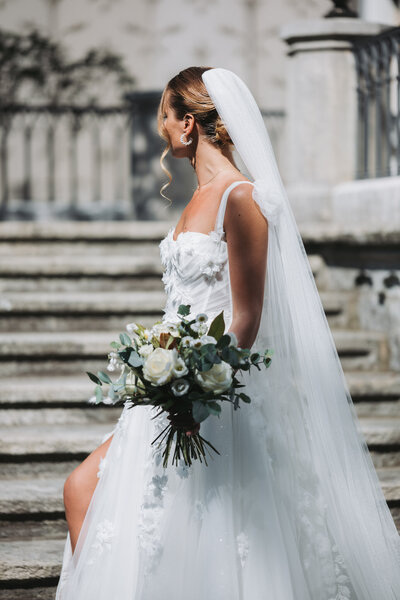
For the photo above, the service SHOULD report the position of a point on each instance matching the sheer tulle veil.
(320, 458)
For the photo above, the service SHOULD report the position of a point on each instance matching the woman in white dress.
(291, 508)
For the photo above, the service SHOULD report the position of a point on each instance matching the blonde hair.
(186, 93)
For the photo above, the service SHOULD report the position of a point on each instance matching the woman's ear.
(189, 122)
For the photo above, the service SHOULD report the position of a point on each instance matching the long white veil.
(320, 458)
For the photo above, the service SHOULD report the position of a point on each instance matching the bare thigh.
(79, 487)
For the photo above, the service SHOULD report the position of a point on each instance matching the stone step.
(42, 303)
(78, 248)
(44, 496)
(31, 560)
(35, 526)
(361, 350)
(79, 438)
(79, 311)
(35, 391)
(95, 284)
(39, 468)
(69, 352)
(84, 231)
(89, 310)
(45, 442)
(59, 416)
(30, 593)
(83, 266)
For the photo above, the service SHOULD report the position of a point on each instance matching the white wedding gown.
(237, 529)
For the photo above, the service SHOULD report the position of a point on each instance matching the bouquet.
(185, 369)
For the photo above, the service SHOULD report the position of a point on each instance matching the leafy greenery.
(35, 68)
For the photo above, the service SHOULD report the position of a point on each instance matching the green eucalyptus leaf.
(125, 339)
(104, 377)
(115, 345)
(99, 394)
(214, 408)
(217, 326)
(184, 309)
(135, 360)
(94, 378)
(200, 411)
(224, 341)
(244, 397)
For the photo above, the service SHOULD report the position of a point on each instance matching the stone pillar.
(321, 110)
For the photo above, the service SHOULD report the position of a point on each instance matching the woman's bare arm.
(247, 238)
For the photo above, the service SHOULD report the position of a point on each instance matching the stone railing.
(378, 93)
(61, 159)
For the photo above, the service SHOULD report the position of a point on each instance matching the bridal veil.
(320, 459)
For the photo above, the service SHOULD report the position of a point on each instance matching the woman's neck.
(209, 161)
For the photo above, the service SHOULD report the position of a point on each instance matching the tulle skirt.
(227, 531)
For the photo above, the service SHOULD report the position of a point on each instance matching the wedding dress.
(237, 529)
(291, 508)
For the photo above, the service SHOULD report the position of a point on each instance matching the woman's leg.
(79, 487)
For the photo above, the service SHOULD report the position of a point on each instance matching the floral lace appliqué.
(102, 466)
(105, 533)
(243, 547)
(152, 507)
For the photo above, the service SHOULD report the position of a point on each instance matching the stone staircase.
(66, 291)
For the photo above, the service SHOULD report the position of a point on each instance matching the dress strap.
(219, 223)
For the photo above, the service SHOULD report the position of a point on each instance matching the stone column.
(321, 110)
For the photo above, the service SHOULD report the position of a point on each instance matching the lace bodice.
(196, 269)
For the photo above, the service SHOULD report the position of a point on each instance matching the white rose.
(217, 379)
(158, 366)
(146, 349)
(180, 367)
(179, 387)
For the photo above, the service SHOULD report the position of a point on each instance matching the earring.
(190, 140)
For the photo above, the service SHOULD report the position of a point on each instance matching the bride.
(292, 508)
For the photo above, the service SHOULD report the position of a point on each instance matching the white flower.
(108, 400)
(217, 379)
(201, 317)
(187, 341)
(208, 339)
(203, 328)
(92, 400)
(158, 366)
(195, 326)
(180, 368)
(164, 327)
(196, 343)
(131, 327)
(115, 361)
(146, 349)
(179, 387)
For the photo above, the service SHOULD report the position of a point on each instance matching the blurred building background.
(81, 215)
